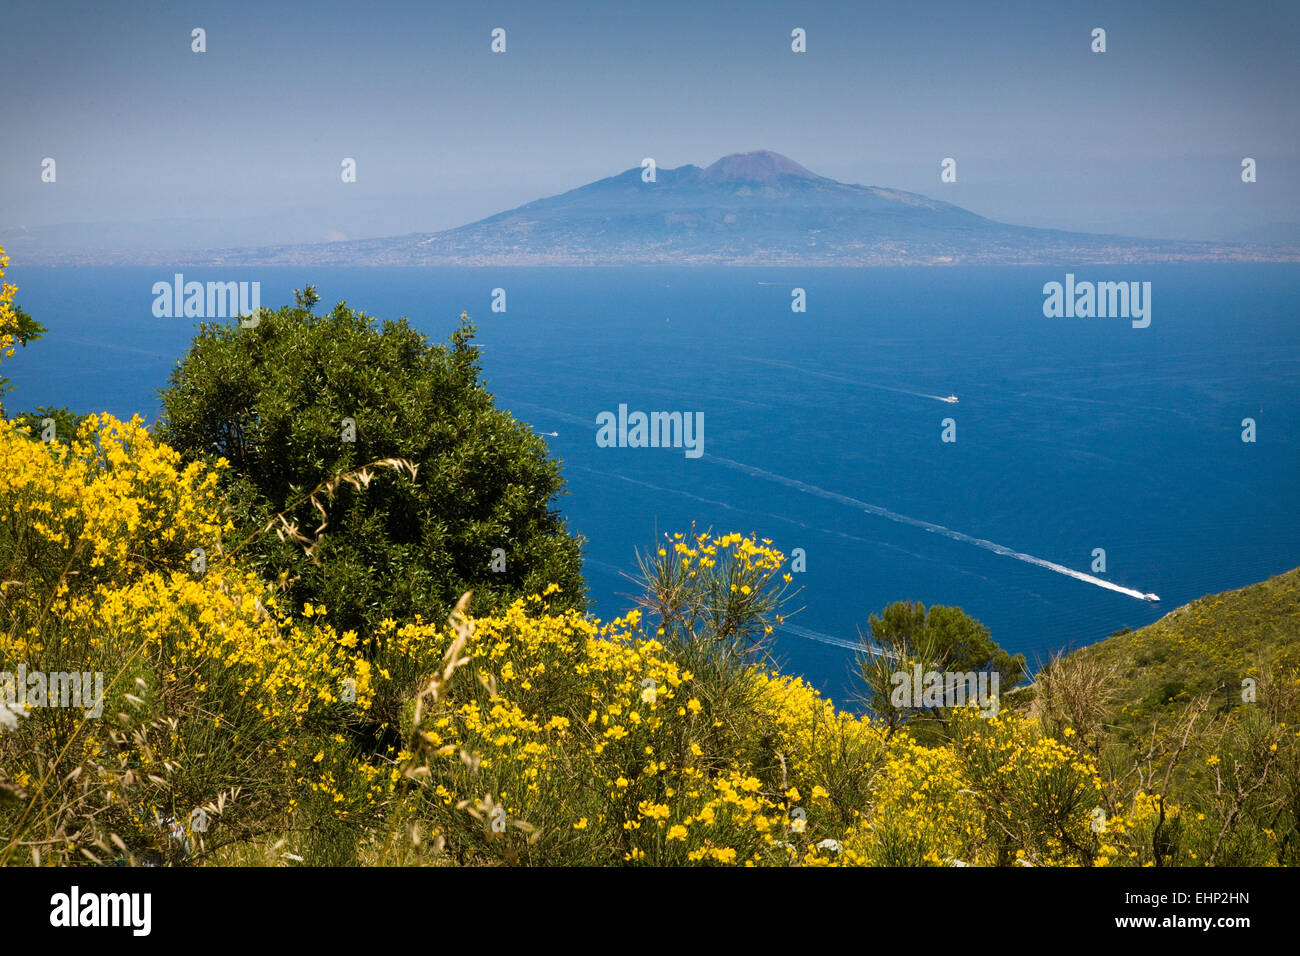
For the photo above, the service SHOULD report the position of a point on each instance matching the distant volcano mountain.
(748, 207)
(756, 208)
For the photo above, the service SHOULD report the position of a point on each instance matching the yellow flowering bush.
(563, 740)
(922, 813)
(834, 755)
(721, 591)
(588, 743)
(1139, 836)
(16, 327)
(8, 321)
(113, 565)
(1037, 795)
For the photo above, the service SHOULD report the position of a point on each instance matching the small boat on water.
(1151, 598)
(951, 399)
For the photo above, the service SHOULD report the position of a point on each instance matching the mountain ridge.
(755, 208)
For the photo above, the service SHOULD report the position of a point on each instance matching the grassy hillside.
(1207, 647)
(1192, 724)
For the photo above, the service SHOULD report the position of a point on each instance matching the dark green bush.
(273, 399)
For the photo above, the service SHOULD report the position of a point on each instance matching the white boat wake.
(930, 526)
(821, 638)
(950, 399)
(901, 519)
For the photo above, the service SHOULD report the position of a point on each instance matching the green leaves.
(24, 329)
(942, 639)
(302, 397)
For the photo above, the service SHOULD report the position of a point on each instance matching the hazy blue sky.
(1145, 139)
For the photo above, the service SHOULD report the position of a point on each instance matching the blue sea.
(1071, 434)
